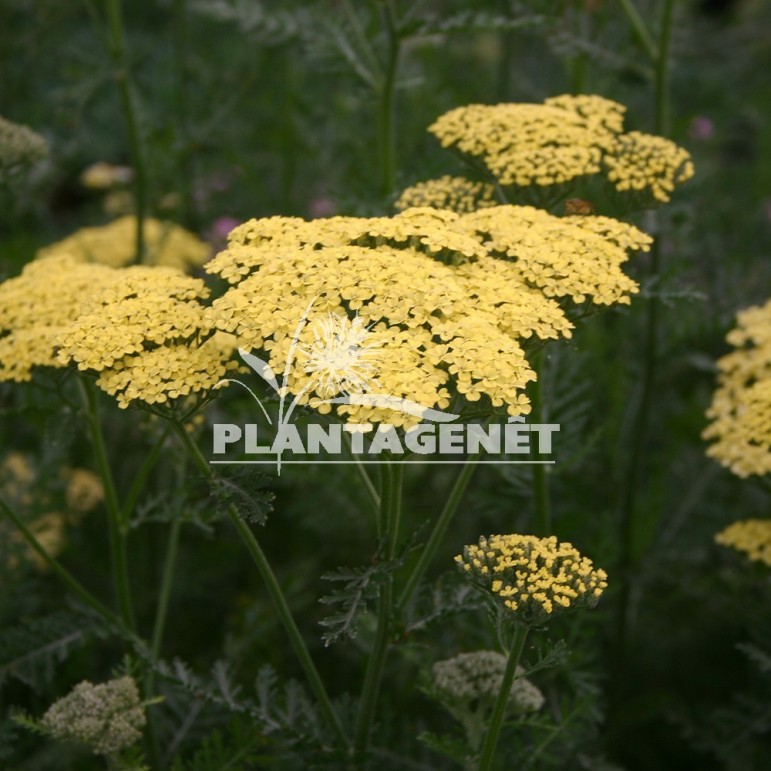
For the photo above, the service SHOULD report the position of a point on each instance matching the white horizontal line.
(405, 462)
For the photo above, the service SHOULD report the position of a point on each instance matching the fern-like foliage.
(31, 650)
(470, 21)
(237, 747)
(281, 711)
(358, 586)
(268, 27)
(439, 602)
(243, 488)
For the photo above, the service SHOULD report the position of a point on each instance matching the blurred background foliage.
(250, 109)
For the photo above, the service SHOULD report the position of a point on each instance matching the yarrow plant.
(467, 686)
(531, 579)
(166, 244)
(107, 718)
(443, 306)
(450, 300)
(740, 413)
(750, 536)
(550, 145)
(20, 148)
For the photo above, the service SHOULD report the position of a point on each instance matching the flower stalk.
(117, 519)
(628, 531)
(440, 529)
(66, 577)
(386, 112)
(123, 79)
(390, 514)
(274, 589)
(494, 729)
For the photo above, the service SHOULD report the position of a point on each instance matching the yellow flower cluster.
(447, 298)
(457, 194)
(85, 490)
(564, 138)
(114, 244)
(645, 162)
(533, 577)
(148, 337)
(37, 305)
(741, 405)
(751, 536)
(142, 329)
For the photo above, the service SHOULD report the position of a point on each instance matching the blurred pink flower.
(322, 206)
(217, 234)
(701, 129)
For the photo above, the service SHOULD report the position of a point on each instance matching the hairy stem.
(390, 514)
(494, 729)
(276, 593)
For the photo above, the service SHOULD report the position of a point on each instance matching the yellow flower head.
(148, 337)
(85, 490)
(740, 412)
(114, 244)
(37, 305)
(565, 138)
(454, 193)
(641, 162)
(103, 176)
(751, 536)
(447, 299)
(533, 577)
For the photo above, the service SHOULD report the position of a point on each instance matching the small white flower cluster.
(108, 717)
(478, 675)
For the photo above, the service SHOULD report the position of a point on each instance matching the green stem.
(386, 121)
(390, 514)
(130, 501)
(494, 729)
(275, 591)
(579, 64)
(130, 114)
(650, 357)
(365, 478)
(641, 29)
(69, 580)
(543, 523)
(185, 158)
(169, 564)
(117, 524)
(662, 69)
(159, 625)
(439, 531)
